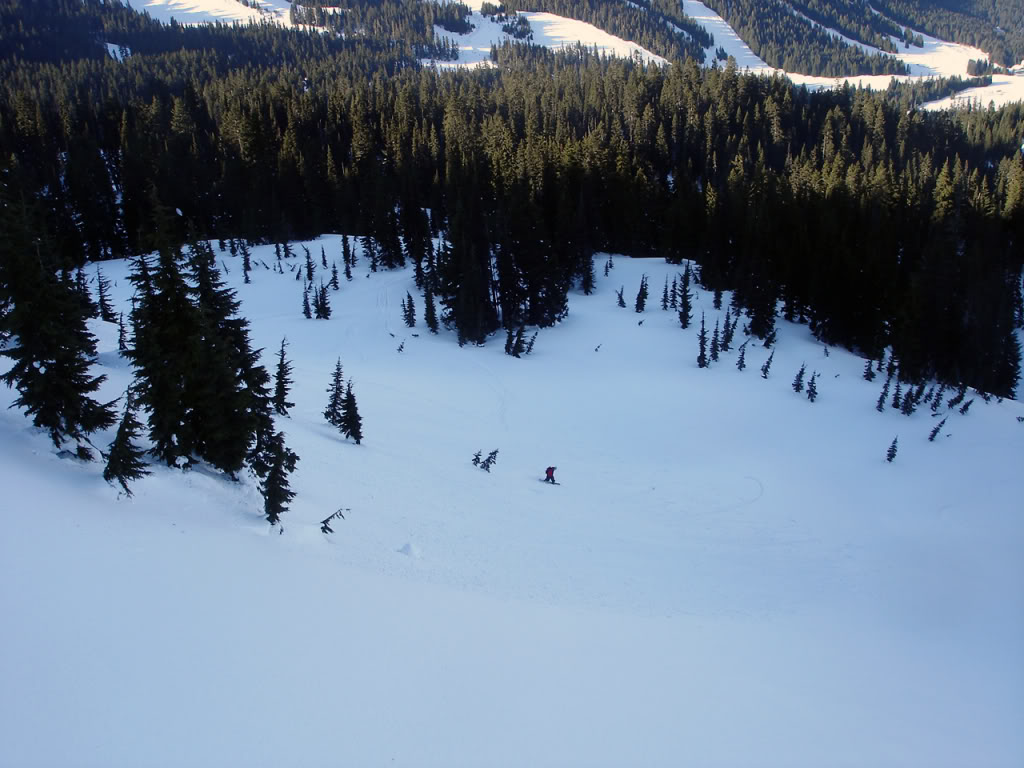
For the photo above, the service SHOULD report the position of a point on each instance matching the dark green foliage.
(310, 268)
(335, 285)
(122, 337)
(277, 493)
(335, 397)
(325, 524)
(891, 453)
(306, 311)
(880, 405)
(476, 458)
(935, 431)
(798, 382)
(246, 262)
(958, 398)
(351, 421)
(766, 368)
(685, 299)
(714, 344)
(124, 458)
(282, 382)
(430, 311)
(702, 344)
(741, 360)
(812, 387)
(409, 310)
(869, 371)
(321, 303)
(89, 308)
(619, 299)
(908, 405)
(103, 298)
(728, 329)
(641, 295)
(897, 396)
(488, 462)
(937, 398)
(664, 295)
(966, 407)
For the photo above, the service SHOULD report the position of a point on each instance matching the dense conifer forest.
(878, 225)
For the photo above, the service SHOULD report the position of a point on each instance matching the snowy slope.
(728, 575)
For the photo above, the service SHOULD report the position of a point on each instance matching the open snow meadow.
(727, 575)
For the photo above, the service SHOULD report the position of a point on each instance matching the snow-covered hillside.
(728, 574)
(936, 59)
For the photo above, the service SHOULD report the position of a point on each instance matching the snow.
(728, 575)
(936, 59)
(118, 52)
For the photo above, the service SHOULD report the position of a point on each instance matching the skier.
(549, 475)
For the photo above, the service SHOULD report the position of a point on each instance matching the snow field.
(728, 574)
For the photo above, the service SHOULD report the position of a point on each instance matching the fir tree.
(812, 387)
(664, 295)
(122, 337)
(588, 280)
(246, 262)
(84, 295)
(430, 311)
(409, 311)
(335, 285)
(124, 458)
(282, 382)
(309, 265)
(619, 298)
(717, 299)
(937, 398)
(530, 343)
(277, 250)
(685, 299)
(958, 398)
(935, 432)
(714, 344)
(476, 458)
(323, 257)
(741, 361)
(323, 303)
(767, 365)
(487, 463)
(897, 396)
(306, 311)
(727, 331)
(869, 371)
(276, 491)
(798, 382)
(351, 422)
(891, 453)
(335, 397)
(966, 407)
(103, 301)
(702, 342)
(673, 296)
(880, 405)
(908, 405)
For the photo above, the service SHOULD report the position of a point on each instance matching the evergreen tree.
(246, 262)
(741, 361)
(673, 296)
(335, 397)
(728, 328)
(52, 351)
(767, 365)
(897, 396)
(619, 298)
(880, 405)
(488, 462)
(812, 387)
(306, 311)
(335, 285)
(323, 257)
(282, 382)
(891, 453)
(588, 280)
(351, 422)
(476, 458)
(702, 341)
(122, 338)
(124, 458)
(935, 432)
(714, 344)
(322, 303)
(103, 302)
(664, 295)
(310, 268)
(869, 371)
(276, 491)
(937, 398)
(409, 311)
(908, 405)
(84, 295)
(798, 382)
(430, 311)
(966, 407)
(685, 299)
(717, 298)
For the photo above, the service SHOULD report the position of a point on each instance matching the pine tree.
(430, 311)
(588, 279)
(351, 422)
(336, 397)
(869, 371)
(727, 331)
(673, 297)
(276, 491)
(966, 407)
(714, 344)
(306, 312)
(891, 453)
(409, 310)
(717, 299)
(685, 299)
(798, 382)
(487, 463)
(767, 365)
(880, 405)
(741, 361)
(124, 458)
(937, 398)
(619, 298)
(908, 405)
(702, 341)
(664, 295)
(323, 257)
(335, 285)
(309, 265)
(323, 303)
(935, 432)
(84, 295)
(476, 458)
(812, 387)
(282, 382)
(246, 263)
(103, 301)
(122, 338)
(897, 396)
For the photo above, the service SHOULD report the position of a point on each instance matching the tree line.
(877, 224)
